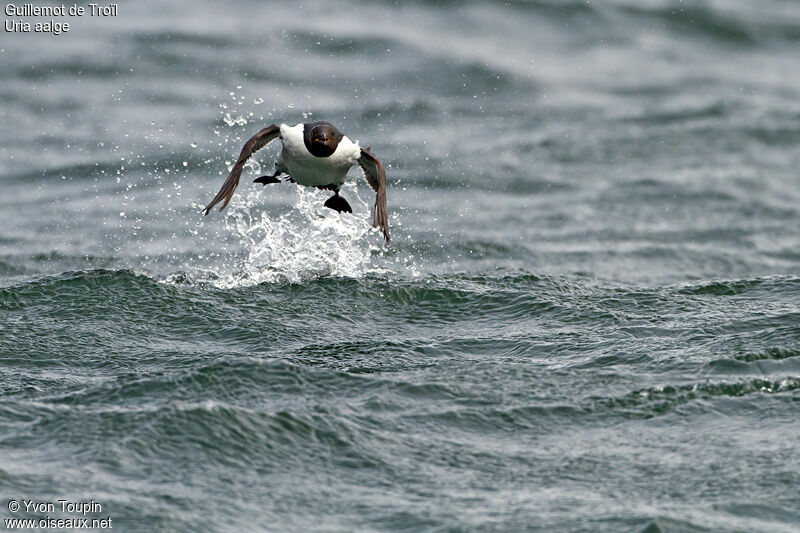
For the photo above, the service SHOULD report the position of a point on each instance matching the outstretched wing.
(376, 177)
(253, 145)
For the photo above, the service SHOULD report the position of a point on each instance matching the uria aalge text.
(51, 26)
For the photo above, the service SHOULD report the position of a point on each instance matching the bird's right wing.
(253, 145)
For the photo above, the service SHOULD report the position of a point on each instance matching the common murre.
(315, 155)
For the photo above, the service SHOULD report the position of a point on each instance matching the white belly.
(307, 169)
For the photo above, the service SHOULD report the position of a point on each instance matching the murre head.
(321, 138)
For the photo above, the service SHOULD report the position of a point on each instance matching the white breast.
(307, 169)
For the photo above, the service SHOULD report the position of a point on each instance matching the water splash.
(307, 242)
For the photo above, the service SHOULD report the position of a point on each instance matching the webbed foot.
(267, 179)
(339, 204)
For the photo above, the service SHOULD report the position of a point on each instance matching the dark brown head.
(321, 138)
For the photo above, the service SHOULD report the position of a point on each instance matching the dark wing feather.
(253, 145)
(376, 177)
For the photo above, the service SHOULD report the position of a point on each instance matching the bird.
(313, 154)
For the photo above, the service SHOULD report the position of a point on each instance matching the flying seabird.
(315, 155)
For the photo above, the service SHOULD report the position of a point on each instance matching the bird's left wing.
(376, 177)
(253, 145)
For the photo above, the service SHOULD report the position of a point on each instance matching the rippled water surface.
(588, 318)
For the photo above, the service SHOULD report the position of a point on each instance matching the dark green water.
(588, 318)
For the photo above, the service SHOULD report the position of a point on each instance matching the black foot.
(339, 204)
(267, 179)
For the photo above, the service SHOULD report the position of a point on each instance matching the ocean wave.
(657, 401)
